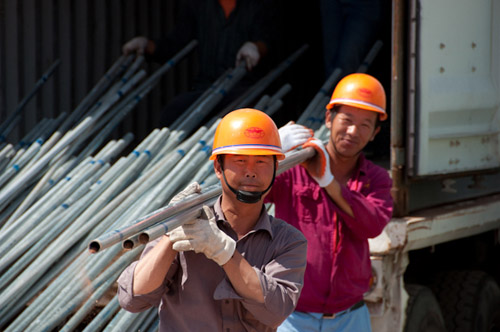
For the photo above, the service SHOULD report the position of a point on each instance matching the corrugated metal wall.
(86, 35)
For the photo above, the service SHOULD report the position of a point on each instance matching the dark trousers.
(350, 29)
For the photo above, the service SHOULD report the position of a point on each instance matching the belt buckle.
(329, 316)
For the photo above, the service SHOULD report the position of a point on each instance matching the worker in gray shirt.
(236, 268)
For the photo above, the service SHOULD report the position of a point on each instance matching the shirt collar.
(264, 222)
(362, 165)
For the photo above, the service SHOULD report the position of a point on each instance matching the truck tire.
(470, 301)
(422, 311)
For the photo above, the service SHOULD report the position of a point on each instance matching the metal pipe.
(109, 77)
(193, 118)
(280, 93)
(370, 56)
(173, 222)
(20, 107)
(56, 248)
(272, 108)
(152, 177)
(262, 103)
(71, 240)
(35, 295)
(176, 178)
(10, 191)
(103, 316)
(48, 322)
(214, 87)
(77, 176)
(37, 209)
(74, 135)
(325, 90)
(293, 158)
(253, 92)
(88, 305)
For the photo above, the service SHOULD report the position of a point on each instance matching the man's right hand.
(136, 45)
(202, 235)
(193, 188)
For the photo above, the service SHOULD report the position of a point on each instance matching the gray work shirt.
(197, 295)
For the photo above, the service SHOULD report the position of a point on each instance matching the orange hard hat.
(247, 131)
(360, 90)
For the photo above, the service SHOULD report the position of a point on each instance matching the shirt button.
(227, 301)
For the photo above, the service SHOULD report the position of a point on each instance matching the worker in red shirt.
(236, 268)
(338, 200)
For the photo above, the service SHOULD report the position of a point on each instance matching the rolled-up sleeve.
(372, 206)
(281, 283)
(138, 303)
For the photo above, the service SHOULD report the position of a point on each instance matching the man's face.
(351, 129)
(248, 173)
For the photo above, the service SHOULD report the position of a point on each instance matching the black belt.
(348, 310)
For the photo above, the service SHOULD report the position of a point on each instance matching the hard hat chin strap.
(249, 197)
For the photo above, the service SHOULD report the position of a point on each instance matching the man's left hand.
(319, 165)
(249, 52)
(203, 236)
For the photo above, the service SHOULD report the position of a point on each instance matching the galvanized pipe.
(275, 106)
(39, 300)
(280, 93)
(253, 92)
(324, 91)
(155, 174)
(62, 190)
(5, 127)
(57, 247)
(103, 316)
(167, 186)
(370, 57)
(7, 194)
(48, 322)
(103, 84)
(293, 158)
(159, 229)
(190, 120)
(214, 87)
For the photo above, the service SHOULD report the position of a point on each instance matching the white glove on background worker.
(293, 135)
(136, 45)
(250, 53)
(203, 236)
(318, 166)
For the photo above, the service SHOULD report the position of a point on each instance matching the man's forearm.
(244, 278)
(335, 192)
(153, 267)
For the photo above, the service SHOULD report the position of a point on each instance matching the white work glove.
(193, 188)
(319, 165)
(136, 45)
(293, 135)
(250, 53)
(203, 236)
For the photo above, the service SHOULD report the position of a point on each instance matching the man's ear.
(328, 119)
(218, 168)
(375, 132)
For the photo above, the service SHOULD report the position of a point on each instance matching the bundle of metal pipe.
(91, 184)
